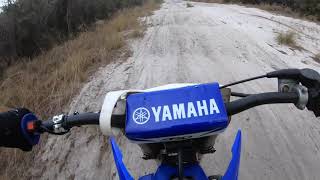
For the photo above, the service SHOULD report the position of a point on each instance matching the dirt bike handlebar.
(290, 91)
(77, 120)
(254, 100)
(61, 124)
(118, 121)
(237, 106)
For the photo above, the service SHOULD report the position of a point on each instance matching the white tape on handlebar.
(109, 103)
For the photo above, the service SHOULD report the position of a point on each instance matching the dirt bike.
(178, 123)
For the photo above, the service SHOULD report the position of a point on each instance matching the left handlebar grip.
(13, 129)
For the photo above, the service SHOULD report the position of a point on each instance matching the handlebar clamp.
(291, 85)
(303, 97)
(58, 122)
(308, 78)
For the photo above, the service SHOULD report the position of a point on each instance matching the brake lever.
(307, 77)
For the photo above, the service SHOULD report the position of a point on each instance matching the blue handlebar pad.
(174, 114)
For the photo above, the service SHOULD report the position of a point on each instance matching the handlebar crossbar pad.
(175, 114)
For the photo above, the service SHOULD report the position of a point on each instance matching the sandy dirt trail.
(205, 43)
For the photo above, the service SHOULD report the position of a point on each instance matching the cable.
(44, 129)
(242, 81)
(236, 94)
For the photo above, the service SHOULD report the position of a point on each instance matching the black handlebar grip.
(13, 131)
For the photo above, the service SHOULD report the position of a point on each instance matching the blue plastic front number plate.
(175, 112)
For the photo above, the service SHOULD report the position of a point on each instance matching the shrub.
(317, 57)
(136, 33)
(287, 38)
(309, 9)
(40, 24)
(46, 83)
(189, 5)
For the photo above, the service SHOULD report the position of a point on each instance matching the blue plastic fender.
(165, 171)
(117, 155)
(233, 168)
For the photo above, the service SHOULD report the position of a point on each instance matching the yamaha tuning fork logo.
(141, 115)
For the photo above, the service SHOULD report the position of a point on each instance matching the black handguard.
(12, 133)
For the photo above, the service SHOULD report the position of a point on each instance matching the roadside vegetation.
(35, 26)
(304, 9)
(189, 5)
(209, 1)
(46, 83)
(317, 57)
(287, 38)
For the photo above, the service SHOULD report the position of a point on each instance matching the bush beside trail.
(309, 9)
(47, 83)
(37, 25)
(303, 7)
